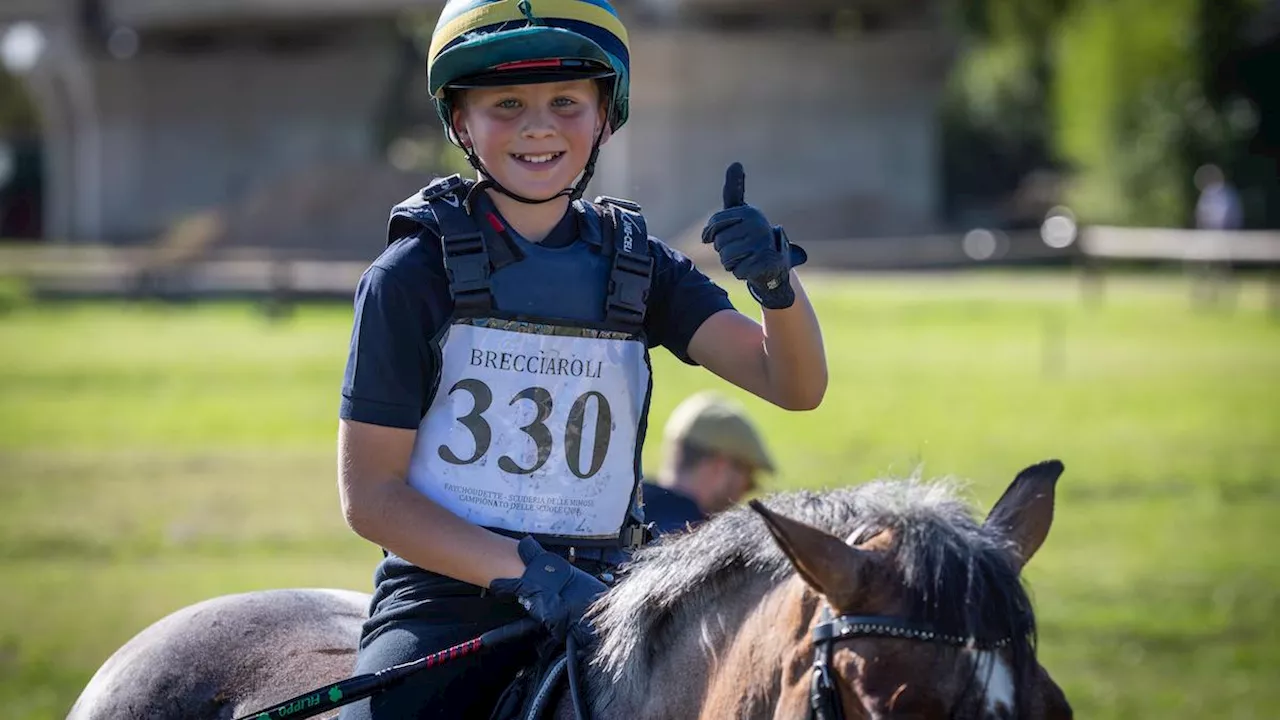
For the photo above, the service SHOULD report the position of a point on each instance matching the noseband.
(824, 694)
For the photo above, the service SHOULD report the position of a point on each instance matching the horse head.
(920, 612)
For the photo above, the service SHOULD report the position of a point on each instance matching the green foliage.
(17, 113)
(996, 123)
(993, 125)
(1005, 19)
(1130, 106)
(992, 88)
(154, 456)
(1120, 92)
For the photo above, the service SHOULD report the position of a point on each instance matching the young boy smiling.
(534, 140)
(497, 386)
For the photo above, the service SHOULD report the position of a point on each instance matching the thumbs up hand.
(750, 248)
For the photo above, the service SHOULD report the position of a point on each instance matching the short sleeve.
(681, 298)
(390, 362)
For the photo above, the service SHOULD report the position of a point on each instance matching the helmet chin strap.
(574, 192)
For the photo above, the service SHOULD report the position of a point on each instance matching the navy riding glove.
(752, 249)
(553, 592)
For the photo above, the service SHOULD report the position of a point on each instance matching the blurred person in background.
(499, 354)
(1219, 205)
(712, 454)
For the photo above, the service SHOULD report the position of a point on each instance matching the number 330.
(537, 429)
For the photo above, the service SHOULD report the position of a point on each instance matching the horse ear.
(1025, 512)
(825, 562)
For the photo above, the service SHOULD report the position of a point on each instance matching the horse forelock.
(957, 575)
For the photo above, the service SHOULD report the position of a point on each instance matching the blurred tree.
(997, 124)
(1136, 106)
(17, 113)
(1127, 94)
(411, 132)
(21, 163)
(1240, 81)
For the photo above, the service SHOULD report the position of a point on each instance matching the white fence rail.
(1210, 259)
(1197, 246)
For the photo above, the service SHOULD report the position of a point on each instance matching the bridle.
(824, 693)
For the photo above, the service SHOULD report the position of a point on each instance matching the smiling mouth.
(540, 159)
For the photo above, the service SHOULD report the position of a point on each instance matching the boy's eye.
(509, 104)
(563, 101)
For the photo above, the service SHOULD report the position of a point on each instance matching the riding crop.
(328, 697)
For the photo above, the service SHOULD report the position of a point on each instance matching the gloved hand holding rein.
(552, 591)
(752, 249)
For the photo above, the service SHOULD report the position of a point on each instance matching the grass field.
(154, 456)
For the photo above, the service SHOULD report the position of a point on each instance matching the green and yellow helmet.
(516, 42)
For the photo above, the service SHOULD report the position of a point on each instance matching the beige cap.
(715, 423)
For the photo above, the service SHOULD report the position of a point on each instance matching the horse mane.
(958, 576)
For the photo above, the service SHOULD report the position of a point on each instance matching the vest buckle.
(618, 202)
(636, 536)
(467, 263)
(628, 289)
(443, 187)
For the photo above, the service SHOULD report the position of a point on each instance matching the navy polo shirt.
(668, 510)
(402, 307)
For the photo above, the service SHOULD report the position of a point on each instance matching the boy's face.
(533, 139)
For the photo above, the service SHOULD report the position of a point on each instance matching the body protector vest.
(537, 422)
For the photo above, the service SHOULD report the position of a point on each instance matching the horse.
(888, 599)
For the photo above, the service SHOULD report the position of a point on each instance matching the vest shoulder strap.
(625, 238)
(466, 254)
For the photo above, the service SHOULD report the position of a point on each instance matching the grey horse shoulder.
(231, 650)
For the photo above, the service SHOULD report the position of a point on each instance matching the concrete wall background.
(183, 133)
(821, 123)
(837, 131)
